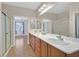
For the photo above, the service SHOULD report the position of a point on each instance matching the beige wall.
(61, 25)
(50, 16)
(63, 15)
(17, 11)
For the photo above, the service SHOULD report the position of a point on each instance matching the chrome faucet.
(59, 37)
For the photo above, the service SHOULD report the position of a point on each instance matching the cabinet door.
(43, 49)
(31, 40)
(37, 46)
(49, 51)
(58, 53)
(54, 52)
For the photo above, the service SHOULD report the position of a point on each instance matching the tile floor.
(21, 49)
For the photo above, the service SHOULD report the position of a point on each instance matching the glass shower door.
(8, 39)
(3, 34)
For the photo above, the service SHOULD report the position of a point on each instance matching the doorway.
(19, 28)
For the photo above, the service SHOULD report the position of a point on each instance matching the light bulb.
(44, 5)
(39, 10)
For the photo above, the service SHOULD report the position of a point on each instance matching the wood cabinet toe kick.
(43, 49)
(75, 54)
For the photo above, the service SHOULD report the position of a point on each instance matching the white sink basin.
(50, 37)
(58, 42)
(55, 40)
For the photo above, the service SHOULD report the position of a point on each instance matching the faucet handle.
(59, 37)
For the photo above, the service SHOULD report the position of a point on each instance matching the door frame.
(23, 19)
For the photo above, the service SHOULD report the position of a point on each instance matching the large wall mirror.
(77, 25)
(35, 24)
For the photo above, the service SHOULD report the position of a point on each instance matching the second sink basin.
(58, 42)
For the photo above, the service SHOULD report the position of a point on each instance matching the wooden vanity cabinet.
(43, 49)
(54, 52)
(75, 54)
(37, 46)
(49, 51)
(31, 41)
(30, 38)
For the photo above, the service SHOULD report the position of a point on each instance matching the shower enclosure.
(6, 33)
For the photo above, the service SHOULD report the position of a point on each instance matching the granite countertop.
(69, 48)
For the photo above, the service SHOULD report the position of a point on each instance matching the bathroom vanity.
(48, 45)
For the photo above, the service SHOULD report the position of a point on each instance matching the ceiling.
(29, 5)
(58, 8)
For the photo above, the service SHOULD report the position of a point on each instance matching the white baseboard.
(8, 51)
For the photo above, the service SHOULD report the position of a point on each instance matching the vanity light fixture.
(44, 8)
(44, 5)
(41, 9)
